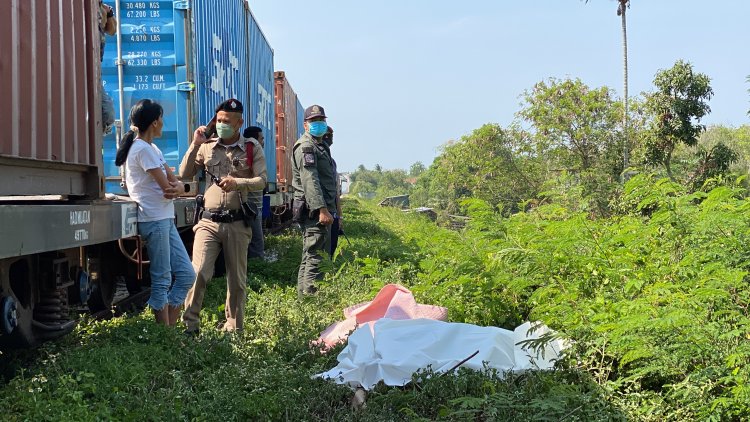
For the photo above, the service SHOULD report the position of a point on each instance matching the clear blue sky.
(400, 78)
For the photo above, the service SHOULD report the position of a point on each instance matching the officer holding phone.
(236, 167)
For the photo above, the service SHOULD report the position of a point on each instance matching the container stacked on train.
(60, 239)
(288, 129)
(190, 56)
(49, 83)
(53, 222)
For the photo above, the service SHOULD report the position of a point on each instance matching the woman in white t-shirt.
(153, 186)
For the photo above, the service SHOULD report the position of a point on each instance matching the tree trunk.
(626, 143)
(668, 166)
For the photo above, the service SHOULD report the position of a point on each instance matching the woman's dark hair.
(143, 113)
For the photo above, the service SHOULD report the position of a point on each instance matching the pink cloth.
(392, 301)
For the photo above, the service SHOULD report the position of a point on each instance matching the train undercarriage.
(60, 260)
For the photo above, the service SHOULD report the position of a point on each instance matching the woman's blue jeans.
(168, 256)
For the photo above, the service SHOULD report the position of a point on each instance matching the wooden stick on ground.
(460, 363)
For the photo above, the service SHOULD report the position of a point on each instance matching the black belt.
(225, 216)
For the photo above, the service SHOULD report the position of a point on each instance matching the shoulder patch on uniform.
(307, 149)
(308, 157)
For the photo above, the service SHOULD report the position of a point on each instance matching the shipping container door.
(286, 129)
(300, 122)
(290, 129)
(155, 45)
(262, 94)
(49, 83)
(300, 119)
(222, 55)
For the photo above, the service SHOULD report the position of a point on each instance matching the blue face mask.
(318, 129)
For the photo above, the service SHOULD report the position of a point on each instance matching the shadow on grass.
(364, 238)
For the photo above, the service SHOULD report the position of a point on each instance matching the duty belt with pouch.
(223, 216)
(248, 213)
(299, 211)
(198, 209)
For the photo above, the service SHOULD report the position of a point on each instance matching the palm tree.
(623, 5)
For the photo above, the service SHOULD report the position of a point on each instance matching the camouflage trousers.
(315, 240)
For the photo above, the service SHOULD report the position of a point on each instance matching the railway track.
(132, 302)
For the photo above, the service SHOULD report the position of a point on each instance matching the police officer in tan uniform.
(315, 193)
(223, 224)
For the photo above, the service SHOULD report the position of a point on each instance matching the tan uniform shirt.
(223, 161)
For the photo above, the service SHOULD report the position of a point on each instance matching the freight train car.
(59, 231)
(68, 228)
(289, 128)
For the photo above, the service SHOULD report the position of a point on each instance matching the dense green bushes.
(131, 369)
(656, 299)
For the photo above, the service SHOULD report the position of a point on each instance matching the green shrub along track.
(654, 299)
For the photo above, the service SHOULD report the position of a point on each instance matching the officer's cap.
(231, 106)
(314, 111)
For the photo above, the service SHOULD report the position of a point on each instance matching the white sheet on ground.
(395, 349)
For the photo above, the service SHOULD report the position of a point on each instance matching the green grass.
(129, 368)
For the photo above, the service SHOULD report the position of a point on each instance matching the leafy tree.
(577, 132)
(416, 169)
(738, 139)
(677, 107)
(712, 163)
(363, 188)
(576, 121)
(393, 182)
(694, 165)
(380, 182)
(421, 194)
(493, 164)
(363, 181)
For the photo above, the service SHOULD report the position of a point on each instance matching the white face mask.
(224, 130)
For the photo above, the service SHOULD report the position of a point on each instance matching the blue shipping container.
(222, 56)
(189, 61)
(154, 66)
(261, 94)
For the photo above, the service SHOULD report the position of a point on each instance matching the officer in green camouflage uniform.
(314, 183)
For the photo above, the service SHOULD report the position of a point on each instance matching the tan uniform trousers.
(210, 238)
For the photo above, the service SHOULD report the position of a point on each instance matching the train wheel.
(8, 315)
(133, 285)
(18, 305)
(103, 291)
(23, 335)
